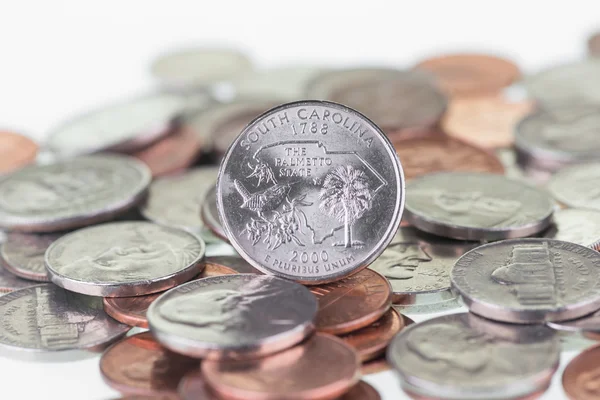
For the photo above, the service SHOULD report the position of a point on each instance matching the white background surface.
(58, 58)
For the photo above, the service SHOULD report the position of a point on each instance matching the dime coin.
(193, 68)
(577, 186)
(124, 259)
(233, 316)
(140, 365)
(486, 121)
(352, 303)
(580, 378)
(589, 323)
(370, 342)
(477, 206)
(417, 264)
(176, 200)
(436, 152)
(10, 282)
(361, 391)
(72, 193)
(193, 387)
(594, 45)
(284, 82)
(529, 280)
(471, 74)
(23, 254)
(47, 318)
(291, 373)
(578, 226)
(551, 139)
(16, 151)
(311, 191)
(210, 214)
(123, 127)
(462, 356)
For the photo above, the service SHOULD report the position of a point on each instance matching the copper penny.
(370, 342)
(139, 365)
(486, 121)
(581, 377)
(471, 74)
(594, 45)
(16, 151)
(361, 391)
(320, 368)
(352, 303)
(193, 387)
(375, 366)
(224, 265)
(441, 153)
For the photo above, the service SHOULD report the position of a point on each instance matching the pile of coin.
(294, 266)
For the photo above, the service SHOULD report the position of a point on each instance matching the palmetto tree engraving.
(346, 196)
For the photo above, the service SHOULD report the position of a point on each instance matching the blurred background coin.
(287, 82)
(580, 377)
(577, 186)
(576, 225)
(23, 254)
(594, 45)
(10, 282)
(210, 214)
(16, 151)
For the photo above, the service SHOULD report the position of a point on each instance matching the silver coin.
(210, 214)
(176, 200)
(560, 136)
(576, 226)
(589, 323)
(284, 82)
(577, 186)
(71, 193)
(23, 254)
(434, 303)
(46, 318)
(123, 127)
(124, 259)
(418, 266)
(233, 316)
(529, 280)
(193, 68)
(512, 169)
(476, 206)
(10, 282)
(462, 356)
(329, 82)
(311, 191)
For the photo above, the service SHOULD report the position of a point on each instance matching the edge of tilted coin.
(377, 249)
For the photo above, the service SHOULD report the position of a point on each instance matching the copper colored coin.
(361, 391)
(352, 303)
(370, 342)
(16, 151)
(375, 366)
(193, 387)
(471, 74)
(486, 121)
(594, 45)
(441, 153)
(139, 365)
(322, 367)
(224, 265)
(581, 378)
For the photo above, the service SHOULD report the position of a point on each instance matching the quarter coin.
(477, 206)
(124, 259)
(580, 378)
(70, 194)
(23, 254)
(210, 214)
(16, 151)
(529, 280)
(577, 186)
(578, 226)
(233, 316)
(310, 191)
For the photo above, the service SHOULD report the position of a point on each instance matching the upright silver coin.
(284, 82)
(529, 280)
(124, 259)
(123, 127)
(477, 206)
(23, 254)
(462, 356)
(577, 186)
(210, 214)
(177, 200)
(71, 193)
(311, 191)
(10, 282)
(418, 266)
(233, 316)
(556, 137)
(578, 226)
(46, 318)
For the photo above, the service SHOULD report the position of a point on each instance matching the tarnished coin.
(477, 206)
(123, 127)
(16, 151)
(47, 318)
(417, 264)
(193, 68)
(292, 373)
(436, 152)
(471, 74)
(124, 259)
(578, 226)
(352, 303)
(72, 193)
(176, 200)
(462, 356)
(594, 45)
(140, 365)
(581, 377)
(233, 316)
(210, 214)
(10, 282)
(553, 138)
(311, 191)
(577, 186)
(23, 254)
(287, 82)
(529, 280)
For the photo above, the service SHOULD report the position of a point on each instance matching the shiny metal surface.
(577, 186)
(576, 225)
